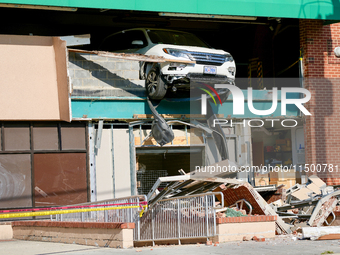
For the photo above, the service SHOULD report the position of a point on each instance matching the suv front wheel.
(154, 84)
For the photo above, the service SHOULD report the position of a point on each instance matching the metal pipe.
(153, 227)
(178, 219)
(132, 161)
(195, 195)
(140, 135)
(113, 164)
(206, 215)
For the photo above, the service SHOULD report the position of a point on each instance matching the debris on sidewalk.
(303, 206)
(234, 212)
(246, 238)
(321, 233)
(253, 203)
(258, 239)
(311, 204)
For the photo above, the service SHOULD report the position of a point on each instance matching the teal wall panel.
(304, 9)
(122, 109)
(96, 108)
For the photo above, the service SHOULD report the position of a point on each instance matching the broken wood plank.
(133, 56)
(321, 233)
(330, 237)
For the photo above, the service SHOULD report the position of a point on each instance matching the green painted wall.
(304, 9)
(112, 108)
(124, 109)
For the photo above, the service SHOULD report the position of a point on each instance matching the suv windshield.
(175, 38)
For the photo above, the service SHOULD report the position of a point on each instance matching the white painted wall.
(122, 162)
(113, 173)
(104, 170)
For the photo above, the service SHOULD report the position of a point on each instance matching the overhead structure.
(308, 9)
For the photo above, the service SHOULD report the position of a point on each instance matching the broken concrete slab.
(322, 233)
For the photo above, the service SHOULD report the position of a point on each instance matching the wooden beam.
(131, 56)
(330, 237)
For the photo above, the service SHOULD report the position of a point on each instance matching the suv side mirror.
(137, 43)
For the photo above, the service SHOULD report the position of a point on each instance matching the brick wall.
(259, 218)
(231, 196)
(322, 73)
(102, 234)
(93, 75)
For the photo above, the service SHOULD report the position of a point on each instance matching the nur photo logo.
(239, 100)
(204, 98)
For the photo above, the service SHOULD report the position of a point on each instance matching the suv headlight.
(178, 53)
(228, 58)
(232, 70)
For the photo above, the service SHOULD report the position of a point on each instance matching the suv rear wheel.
(154, 84)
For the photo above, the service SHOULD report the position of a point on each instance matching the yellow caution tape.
(142, 211)
(44, 213)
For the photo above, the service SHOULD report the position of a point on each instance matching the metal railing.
(179, 218)
(175, 218)
(127, 210)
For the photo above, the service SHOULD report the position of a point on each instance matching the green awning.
(302, 9)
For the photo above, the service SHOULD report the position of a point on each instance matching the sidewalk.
(277, 246)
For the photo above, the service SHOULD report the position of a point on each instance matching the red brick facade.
(322, 73)
(259, 218)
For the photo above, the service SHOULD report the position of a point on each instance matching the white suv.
(207, 63)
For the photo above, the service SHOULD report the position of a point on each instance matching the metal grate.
(147, 178)
(118, 215)
(208, 58)
(179, 218)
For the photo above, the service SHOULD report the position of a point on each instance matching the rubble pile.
(302, 206)
(232, 212)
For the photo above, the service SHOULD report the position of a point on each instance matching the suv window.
(175, 38)
(123, 41)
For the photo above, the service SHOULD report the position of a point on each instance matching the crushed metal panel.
(323, 208)
(322, 215)
(312, 188)
(184, 185)
(34, 82)
(312, 203)
(166, 179)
